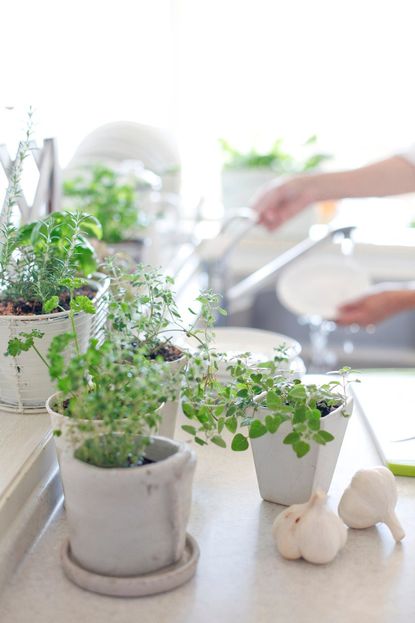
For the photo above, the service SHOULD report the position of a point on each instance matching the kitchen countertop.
(240, 576)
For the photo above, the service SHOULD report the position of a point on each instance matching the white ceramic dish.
(261, 344)
(317, 286)
(159, 581)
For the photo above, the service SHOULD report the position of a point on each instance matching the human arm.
(383, 301)
(278, 202)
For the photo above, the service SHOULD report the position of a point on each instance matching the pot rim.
(51, 410)
(346, 403)
(101, 288)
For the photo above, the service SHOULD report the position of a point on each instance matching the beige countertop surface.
(240, 576)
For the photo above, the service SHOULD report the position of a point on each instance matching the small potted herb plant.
(144, 313)
(244, 172)
(43, 266)
(110, 197)
(127, 493)
(295, 429)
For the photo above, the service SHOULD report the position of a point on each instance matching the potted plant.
(144, 313)
(127, 493)
(244, 172)
(113, 199)
(296, 429)
(42, 289)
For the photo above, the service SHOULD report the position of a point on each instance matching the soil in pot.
(326, 409)
(30, 308)
(167, 351)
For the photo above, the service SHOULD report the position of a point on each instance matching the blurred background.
(201, 102)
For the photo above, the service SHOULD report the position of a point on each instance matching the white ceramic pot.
(239, 185)
(24, 380)
(131, 248)
(285, 479)
(127, 522)
(69, 434)
(169, 410)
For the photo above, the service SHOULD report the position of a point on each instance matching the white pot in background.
(239, 185)
(170, 409)
(127, 522)
(24, 380)
(285, 479)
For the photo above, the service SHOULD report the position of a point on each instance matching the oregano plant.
(256, 401)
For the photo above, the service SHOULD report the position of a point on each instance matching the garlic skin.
(371, 498)
(310, 531)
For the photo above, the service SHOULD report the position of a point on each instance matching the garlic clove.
(394, 526)
(371, 498)
(310, 531)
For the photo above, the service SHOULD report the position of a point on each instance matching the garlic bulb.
(310, 531)
(371, 498)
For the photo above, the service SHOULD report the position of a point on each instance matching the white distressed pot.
(128, 522)
(285, 479)
(24, 380)
(69, 435)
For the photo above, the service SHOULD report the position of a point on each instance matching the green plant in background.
(39, 261)
(277, 158)
(104, 193)
(214, 406)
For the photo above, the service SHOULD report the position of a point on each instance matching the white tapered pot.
(285, 479)
(131, 521)
(24, 380)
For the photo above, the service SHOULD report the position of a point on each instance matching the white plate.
(317, 286)
(261, 344)
(237, 340)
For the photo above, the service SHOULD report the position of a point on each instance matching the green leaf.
(299, 414)
(72, 283)
(313, 419)
(257, 429)
(189, 429)
(272, 423)
(231, 424)
(219, 441)
(91, 226)
(200, 441)
(322, 437)
(273, 400)
(301, 448)
(187, 409)
(51, 304)
(239, 443)
(291, 438)
(82, 304)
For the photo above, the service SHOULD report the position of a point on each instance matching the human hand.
(278, 202)
(375, 307)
